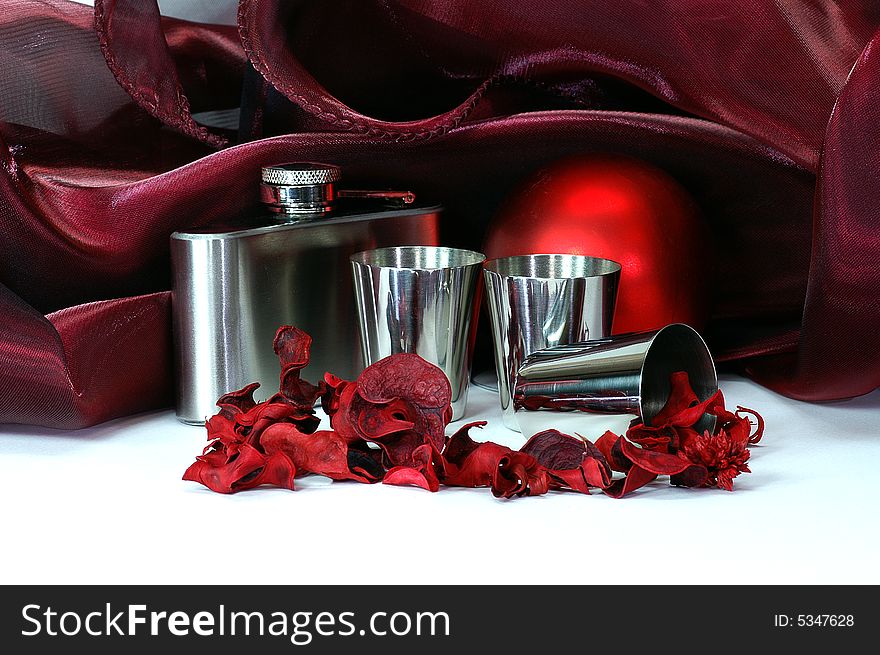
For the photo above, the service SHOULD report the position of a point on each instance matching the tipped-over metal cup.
(420, 299)
(606, 384)
(538, 301)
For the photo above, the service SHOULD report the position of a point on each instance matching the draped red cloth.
(768, 113)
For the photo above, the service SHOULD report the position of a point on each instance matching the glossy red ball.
(621, 209)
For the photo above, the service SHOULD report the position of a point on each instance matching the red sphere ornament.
(622, 209)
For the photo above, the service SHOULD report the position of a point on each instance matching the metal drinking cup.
(539, 301)
(606, 384)
(420, 299)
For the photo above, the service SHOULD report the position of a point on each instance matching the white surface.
(106, 505)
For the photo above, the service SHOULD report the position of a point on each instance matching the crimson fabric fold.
(766, 114)
(147, 72)
(54, 376)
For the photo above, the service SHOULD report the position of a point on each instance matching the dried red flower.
(724, 455)
(399, 403)
(421, 390)
(401, 406)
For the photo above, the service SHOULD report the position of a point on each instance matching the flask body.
(234, 285)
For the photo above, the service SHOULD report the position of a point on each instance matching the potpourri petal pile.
(389, 426)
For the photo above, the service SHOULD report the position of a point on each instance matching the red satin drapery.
(766, 112)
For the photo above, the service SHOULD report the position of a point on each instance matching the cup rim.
(610, 266)
(368, 257)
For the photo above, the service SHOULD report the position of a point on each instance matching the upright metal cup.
(420, 299)
(605, 384)
(538, 301)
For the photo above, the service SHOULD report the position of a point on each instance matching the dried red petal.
(555, 450)
(279, 471)
(518, 474)
(508, 473)
(657, 463)
(460, 444)
(609, 445)
(365, 461)
(344, 419)
(662, 439)
(278, 409)
(595, 468)
(572, 479)
(683, 408)
(477, 466)
(635, 479)
(421, 474)
(570, 462)
(693, 476)
(376, 421)
(681, 397)
(293, 347)
(404, 476)
(216, 455)
(691, 415)
(334, 387)
(604, 444)
(399, 448)
(322, 452)
(738, 427)
(246, 469)
(754, 437)
(407, 376)
(238, 402)
(223, 428)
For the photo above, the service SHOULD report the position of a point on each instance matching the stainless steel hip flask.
(235, 283)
